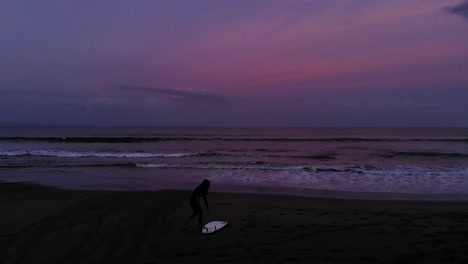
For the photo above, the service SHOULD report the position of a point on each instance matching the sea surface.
(375, 163)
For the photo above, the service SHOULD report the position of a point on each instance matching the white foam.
(397, 179)
(220, 166)
(151, 165)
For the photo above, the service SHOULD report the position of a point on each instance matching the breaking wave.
(356, 170)
(210, 154)
(72, 154)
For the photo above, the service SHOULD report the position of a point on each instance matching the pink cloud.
(284, 45)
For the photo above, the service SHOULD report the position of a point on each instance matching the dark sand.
(47, 225)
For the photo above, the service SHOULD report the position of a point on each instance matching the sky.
(234, 63)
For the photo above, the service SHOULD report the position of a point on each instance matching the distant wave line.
(271, 139)
(74, 154)
(323, 157)
(211, 165)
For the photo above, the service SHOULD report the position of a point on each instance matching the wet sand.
(48, 225)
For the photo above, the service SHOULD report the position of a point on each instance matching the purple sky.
(234, 63)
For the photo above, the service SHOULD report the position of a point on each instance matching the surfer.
(199, 192)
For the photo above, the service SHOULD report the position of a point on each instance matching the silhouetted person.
(199, 192)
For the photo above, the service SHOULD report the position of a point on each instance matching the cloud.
(185, 95)
(460, 9)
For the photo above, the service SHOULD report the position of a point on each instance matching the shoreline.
(53, 224)
(280, 191)
(345, 195)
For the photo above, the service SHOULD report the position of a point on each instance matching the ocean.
(375, 163)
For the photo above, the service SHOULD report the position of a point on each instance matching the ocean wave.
(73, 154)
(424, 154)
(319, 170)
(219, 166)
(156, 139)
(253, 166)
(204, 165)
(19, 166)
(209, 154)
(317, 157)
(326, 171)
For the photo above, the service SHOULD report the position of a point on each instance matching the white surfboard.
(213, 226)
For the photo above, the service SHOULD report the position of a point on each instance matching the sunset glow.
(64, 63)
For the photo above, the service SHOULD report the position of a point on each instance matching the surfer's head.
(205, 185)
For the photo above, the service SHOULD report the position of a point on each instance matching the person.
(199, 192)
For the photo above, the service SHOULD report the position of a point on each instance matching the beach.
(320, 131)
(50, 225)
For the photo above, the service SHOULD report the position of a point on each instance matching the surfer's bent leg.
(200, 218)
(196, 211)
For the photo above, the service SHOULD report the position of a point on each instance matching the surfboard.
(213, 226)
